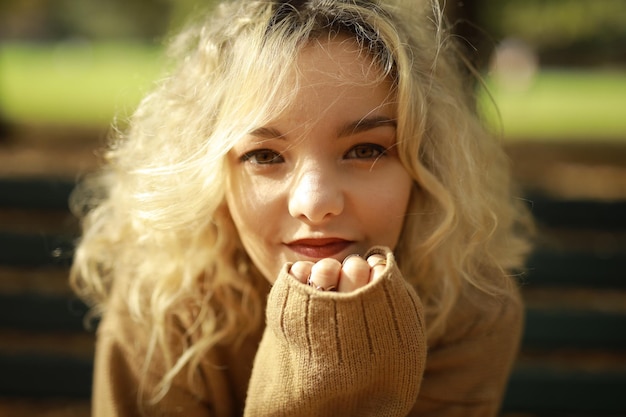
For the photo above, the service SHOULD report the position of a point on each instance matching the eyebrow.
(365, 124)
(351, 128)
(267, 133)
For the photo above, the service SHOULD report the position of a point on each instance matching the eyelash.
(275, 157)
(252, 157)
(379, 150)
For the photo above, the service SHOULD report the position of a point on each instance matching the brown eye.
(262, 157)
(366, 151)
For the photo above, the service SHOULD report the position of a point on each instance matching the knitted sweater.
(363, 353)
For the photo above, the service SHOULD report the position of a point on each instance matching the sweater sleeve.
(326, 353)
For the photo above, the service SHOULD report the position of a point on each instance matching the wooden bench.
(572, 362)
(573, 358)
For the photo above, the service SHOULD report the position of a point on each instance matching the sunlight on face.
(323, 178)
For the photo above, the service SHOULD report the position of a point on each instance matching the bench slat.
(594, 270)
(530, 388)
(578, 214)
(18, 249)
(35, 375)
(569, 328)
(53, 193)
(39, 312)
(545, 267)
(565, 392)
(35, 193)
(544, 328)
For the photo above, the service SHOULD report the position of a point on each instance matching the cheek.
(240, 204)
(387, 210)
(255, 212)
(246, 208)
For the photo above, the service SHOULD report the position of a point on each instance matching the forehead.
(337, 60)
(333, 72)
(332, 80)
(314, 80)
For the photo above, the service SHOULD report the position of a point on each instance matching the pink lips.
(319, 248)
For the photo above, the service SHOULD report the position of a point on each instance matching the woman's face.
(321, 180)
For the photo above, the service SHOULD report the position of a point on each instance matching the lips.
(319, 248)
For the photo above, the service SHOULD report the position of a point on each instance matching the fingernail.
(350, 256)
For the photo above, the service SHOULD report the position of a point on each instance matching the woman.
(292, 136)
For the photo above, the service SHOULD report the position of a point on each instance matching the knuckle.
(355, 267)
(301, 270)
(326, 268)
(355, 273)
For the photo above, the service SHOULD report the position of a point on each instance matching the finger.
(301, 270)
(325, 274)
(377, 263)
(355, 273)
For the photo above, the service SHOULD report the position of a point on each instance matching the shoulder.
(470, 359)
(479, 314)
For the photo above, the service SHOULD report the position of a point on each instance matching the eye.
(366, 151)
(262, 157)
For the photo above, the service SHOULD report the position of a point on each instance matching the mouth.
(319, 248)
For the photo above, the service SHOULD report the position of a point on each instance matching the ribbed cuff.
(381, 316)
(328, 353)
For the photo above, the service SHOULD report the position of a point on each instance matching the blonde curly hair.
(155, 223)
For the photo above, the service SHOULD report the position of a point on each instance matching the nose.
(316, 195)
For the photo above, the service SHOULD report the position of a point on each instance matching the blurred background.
(555, 69)
(81, 63)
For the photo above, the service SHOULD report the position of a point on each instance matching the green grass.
(562, 105)
(84, 84)
(79, 84)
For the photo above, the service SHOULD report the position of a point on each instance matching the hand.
(329, 274)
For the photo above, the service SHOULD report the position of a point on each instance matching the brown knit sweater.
(363, 353)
